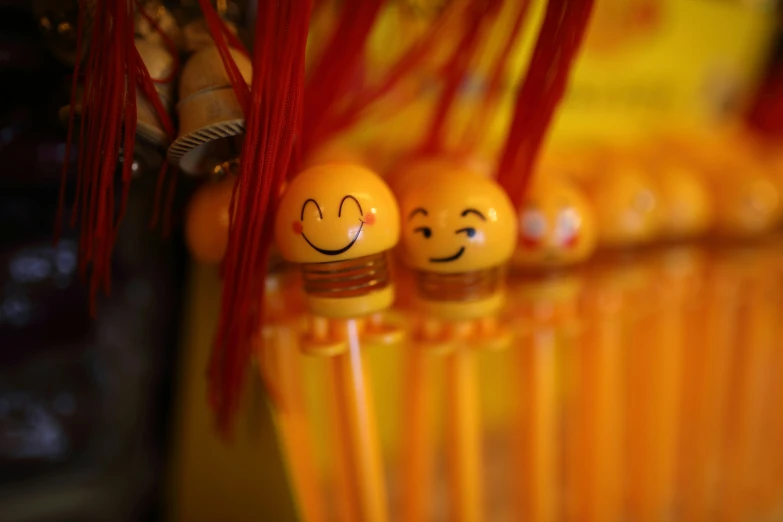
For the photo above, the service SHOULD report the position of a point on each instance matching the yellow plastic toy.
(686, 205)
(338, 221)
(208, 218)
(556, 226)
(458, 230)
(625, 202)
(746, 201)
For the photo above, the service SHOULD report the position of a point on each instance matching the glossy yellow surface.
(456, 221)
(556, 225)
(335, 212)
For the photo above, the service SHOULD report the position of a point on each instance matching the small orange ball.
(207, 221)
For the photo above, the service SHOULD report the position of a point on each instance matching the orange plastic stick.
(597, 472)
(463, 429)
(417, 436)
(653, 378)
(705, 373)
(358, 426)
(747, 422)
(295, 431)
(343, 487)
(537, 427)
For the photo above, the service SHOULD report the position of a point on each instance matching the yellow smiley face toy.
(338, 221)
(458, 231)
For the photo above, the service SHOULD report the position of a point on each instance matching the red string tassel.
(545, 82)
(112, 72)
(272, 118)
(332, 76)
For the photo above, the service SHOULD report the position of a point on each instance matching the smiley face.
(335, 212)
(556, 225)
(456, 221)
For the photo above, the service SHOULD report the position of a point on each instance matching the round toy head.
(686, 206)
(336, 212)
(456, 221)
(626, 205)
(747, 202)
(556, 226)
(208, 219)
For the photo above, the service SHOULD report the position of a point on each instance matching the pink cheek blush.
(369, 219)
(297, 227)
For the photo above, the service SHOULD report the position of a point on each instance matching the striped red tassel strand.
(271, 120)
(545, 82)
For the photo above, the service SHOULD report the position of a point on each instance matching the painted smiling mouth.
(450, 258)
(338, 251)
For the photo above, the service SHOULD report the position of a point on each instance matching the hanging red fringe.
(480, 13)
(340, 120)
(272, 118)
(545, 82)
(111, 74)
(497, 75)
(338, 65)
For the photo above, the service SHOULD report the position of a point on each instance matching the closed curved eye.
(468, 231)
(304, 206)
(340, 211)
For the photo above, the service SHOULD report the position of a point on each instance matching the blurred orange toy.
(746, 200)
(557, 232)
(625, 202)
(208, 218)
(338, 222)
(556, 226)
(458, 230)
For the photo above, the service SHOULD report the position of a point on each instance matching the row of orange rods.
(641, 387)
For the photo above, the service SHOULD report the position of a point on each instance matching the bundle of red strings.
(544, 86)
(271, 118)
(112, 73)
